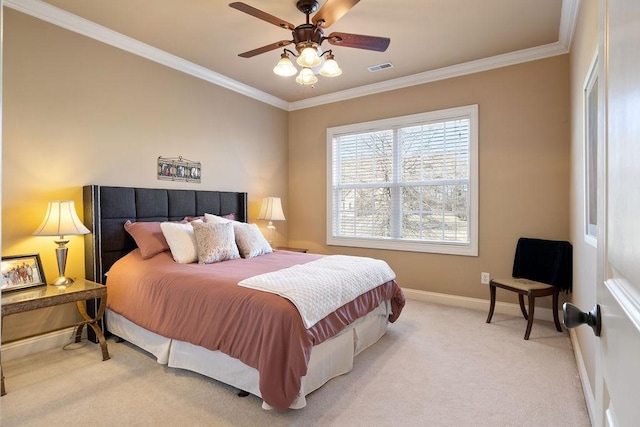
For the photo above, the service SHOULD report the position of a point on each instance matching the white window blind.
(407, 183)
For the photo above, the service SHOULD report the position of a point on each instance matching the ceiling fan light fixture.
(285, 67)
(330, 67)
(308, 38)
(306, 77)
(309, 56)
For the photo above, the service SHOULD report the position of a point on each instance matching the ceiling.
(430, 39)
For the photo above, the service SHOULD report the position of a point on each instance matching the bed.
(220, 319)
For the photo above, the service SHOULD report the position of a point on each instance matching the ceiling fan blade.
(333, 10)
(262, 15)
(264, 49)
(359, 41)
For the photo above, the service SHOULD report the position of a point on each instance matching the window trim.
(451, 248)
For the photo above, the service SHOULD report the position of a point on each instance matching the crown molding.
(71, 22)
(444, 73)
(53, 15)
(568, 18)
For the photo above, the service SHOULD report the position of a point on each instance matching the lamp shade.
(271, 209)
(309, 57)
(285, 67)
(306, 77)
(330, 67)
(61, 220)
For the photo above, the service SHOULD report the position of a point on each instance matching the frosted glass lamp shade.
(330, 67)
(306, 77)
(309, 57)
(285, 67)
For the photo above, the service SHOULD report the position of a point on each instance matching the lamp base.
(62, 281)
(61, 257)
(272, 233)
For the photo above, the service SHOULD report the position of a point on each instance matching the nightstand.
(287, 248)
(79, 292)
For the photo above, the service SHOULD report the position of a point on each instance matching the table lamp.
(271, 210)
(61, 220)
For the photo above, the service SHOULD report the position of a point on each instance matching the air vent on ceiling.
(379, 67)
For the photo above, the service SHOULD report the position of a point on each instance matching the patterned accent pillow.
(181, 241)
(148, 237)
(215, 242)
(216, 219)
(250, 240)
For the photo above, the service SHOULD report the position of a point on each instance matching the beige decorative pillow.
(216, 219)
(215, 242)
(250, 240)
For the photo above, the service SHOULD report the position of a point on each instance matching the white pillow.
(215, 219)
(181, 241)
(215, 242)
(250, 240)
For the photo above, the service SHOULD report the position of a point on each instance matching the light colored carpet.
(436, 366)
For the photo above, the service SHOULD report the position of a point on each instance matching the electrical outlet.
(485, 278)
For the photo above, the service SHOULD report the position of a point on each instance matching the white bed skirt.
(328, 360)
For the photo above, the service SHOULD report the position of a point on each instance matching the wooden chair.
(540, 268)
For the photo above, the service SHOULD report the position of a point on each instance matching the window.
(408, 183)
(590, 103)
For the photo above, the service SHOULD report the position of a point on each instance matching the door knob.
(574, 317)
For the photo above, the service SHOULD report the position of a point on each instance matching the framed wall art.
(21, 271)
(178, 169)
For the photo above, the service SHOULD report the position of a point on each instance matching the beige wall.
(524, 155)
(585, 43)
(79, 112)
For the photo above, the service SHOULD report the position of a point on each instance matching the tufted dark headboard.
(106, 209)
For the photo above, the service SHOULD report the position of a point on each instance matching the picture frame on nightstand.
(21, 271)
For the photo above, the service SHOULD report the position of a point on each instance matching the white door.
(618, 288)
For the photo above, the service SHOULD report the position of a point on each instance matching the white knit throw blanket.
(320, 287)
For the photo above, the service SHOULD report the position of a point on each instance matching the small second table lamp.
(271, 210)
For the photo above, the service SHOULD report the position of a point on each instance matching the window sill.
(407, 246)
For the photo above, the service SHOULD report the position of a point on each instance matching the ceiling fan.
(308, 38)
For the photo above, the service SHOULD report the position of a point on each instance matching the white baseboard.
(40, 343)
(475, 303)
(589, 398)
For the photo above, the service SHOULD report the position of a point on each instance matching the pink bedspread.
(202, 305)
